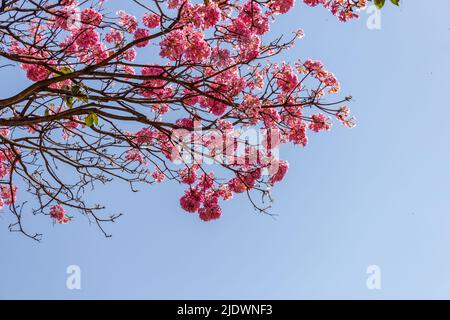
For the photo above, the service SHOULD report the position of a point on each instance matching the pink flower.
(57, 213)
(343, 115)
(130, 55)
(173, 45)
(319, 122)
(158, 175)
(251, 14)
(297, 134)
(155, 87)
(191, 200)
(286, 79)
(151, 20)
(37, 72)
(237, 185)
(5, 170)
(114, 36)
(8, 194)
(135, 155)
(66, 18)
(225, 192)
(283, 6)
(127, 21)
(67, 2)
(216, 107)
(172, 4)
(87, 38)
(343, 10)
(187, 44)
(4, 132)
(281, 168)
(91, 17)
(221, 57)
(210, 212)
(189, 175)
(211, 15)
(206, 181)
(197, 49)
(140, 34)
(144, 136)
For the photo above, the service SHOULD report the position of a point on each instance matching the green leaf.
(396, 2)
(83, 99)
(69, 102)
(65, 70)
(91, 119)
(47, 112)
(75, 90)
(379, 3)
(95, 117)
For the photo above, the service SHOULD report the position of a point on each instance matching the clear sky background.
(376, 194)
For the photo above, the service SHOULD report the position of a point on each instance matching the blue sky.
(378, 194)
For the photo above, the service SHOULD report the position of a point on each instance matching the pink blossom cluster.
(58, 213)
(344, 10)
(155, 86)
(281, 6)
(7, 157)
(151, 20)
(8, 194)
(203, 198)
(286, 79)
(204, 192)
(185, 44)
(212, 45)
(319, 122)
(343, 115)
(127, 21)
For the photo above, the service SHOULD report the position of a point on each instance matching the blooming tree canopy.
(100, 104)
